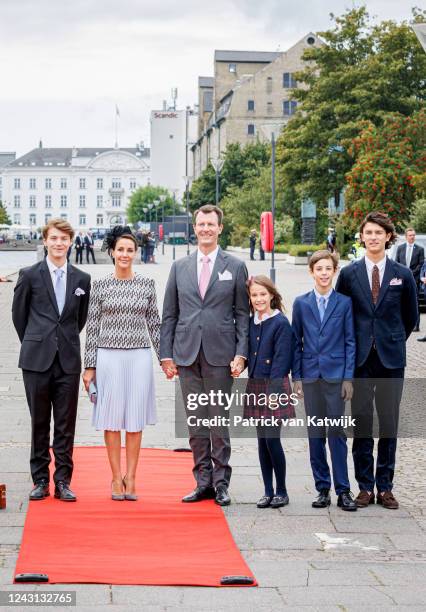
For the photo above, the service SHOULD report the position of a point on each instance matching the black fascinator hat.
(118, 231)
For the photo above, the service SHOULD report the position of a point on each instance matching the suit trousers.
(323, 399)
(381, 387)
(46, 391)
(211, 446)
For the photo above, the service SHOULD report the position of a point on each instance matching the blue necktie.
(60, 289)
(321, 307)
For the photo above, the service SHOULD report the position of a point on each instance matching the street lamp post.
(145, 210)
(150, 205)
(217, 164)
(162, 200)
(174, 224)
(187, 179)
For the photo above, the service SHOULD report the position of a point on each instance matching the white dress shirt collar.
(326, 296)
(370, 265)
(212, 256)
(52, 266)
(266, 316)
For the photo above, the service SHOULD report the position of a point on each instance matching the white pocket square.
(79, 291)
(226, 275)
(396, 281)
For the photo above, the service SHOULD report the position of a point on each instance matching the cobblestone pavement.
(304, 559)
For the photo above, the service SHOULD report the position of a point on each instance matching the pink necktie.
(204, 276)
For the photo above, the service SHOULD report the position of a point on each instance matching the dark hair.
(59, 224)
(383, 220)
(118, 232)
(264, 281)
(323, 254)
(209, 208)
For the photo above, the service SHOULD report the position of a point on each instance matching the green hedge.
(300, 250)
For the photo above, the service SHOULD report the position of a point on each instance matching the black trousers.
(79, 256)
(381, 388)
(90, 250)
(211, 446)
(49, 391)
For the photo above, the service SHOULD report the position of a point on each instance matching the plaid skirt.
(258, 390)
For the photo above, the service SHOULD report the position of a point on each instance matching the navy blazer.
(417, 259)
(389, 323)
(271, 347)
(323, 349)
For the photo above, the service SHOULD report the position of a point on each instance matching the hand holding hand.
(89, 375)
(298, 388)
(169, 368)
(347, 390)
(237, 365)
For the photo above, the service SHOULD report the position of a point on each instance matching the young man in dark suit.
(49, 311)
(384, 299)
(412, 256)
(323, 368)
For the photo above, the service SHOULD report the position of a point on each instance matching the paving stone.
(333, 595)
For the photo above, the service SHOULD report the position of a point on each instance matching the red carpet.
(157, 540)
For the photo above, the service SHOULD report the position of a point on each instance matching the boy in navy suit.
(325, 361)
(384, 299)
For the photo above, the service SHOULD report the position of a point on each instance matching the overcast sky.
(64, 65)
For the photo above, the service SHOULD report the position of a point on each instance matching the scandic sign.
(165, 115)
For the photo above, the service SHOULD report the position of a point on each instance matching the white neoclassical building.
(90, 187)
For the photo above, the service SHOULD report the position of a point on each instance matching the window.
(99, 219)
(17, 183)
(232, 68)
(250, 105)
(17, 201)
(269, 85)
(289, 81)
(99, 183)
(82, 183)
(63, 183)
(48, 183)
(17, 219)
(33, 184)
(99, 201)
(32, 201)
(64, 216)
(64, 201)
(250, 129)
(116, 183)
(132, 183)
(116, 201)
(82, 201)
(82, 220)
(47, 218)
(48, 201)
(269, 108)
(33, 219)
(289, 107)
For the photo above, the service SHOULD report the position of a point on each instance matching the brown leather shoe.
(364, 499)
(387, 500)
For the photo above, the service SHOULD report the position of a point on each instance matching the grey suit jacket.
(219, 323)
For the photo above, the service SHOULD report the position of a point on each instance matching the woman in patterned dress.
(122, 323)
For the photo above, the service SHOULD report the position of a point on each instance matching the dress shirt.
(53, 268)
(212, 256)
(326, 296)
(266, 316)
(408, 254)
(370, 265)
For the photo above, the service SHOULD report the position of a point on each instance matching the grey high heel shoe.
(116, 497)
(128, 496)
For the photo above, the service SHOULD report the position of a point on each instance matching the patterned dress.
(122, 324)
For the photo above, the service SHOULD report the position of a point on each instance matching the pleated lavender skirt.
(126, 394)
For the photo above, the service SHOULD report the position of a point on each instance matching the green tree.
(387, 158)
(144, 196)
(418, 216)
(362, 72)
(4, 218)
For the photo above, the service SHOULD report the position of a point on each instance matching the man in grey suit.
(204, 340)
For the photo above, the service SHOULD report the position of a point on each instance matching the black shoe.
(279, 500)
(264, 502)
(421, 339)
(222, 496)
(416, 329)
(323, 500)
(63, 492)
(199, 494)
(346, 501)
(40, 491)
